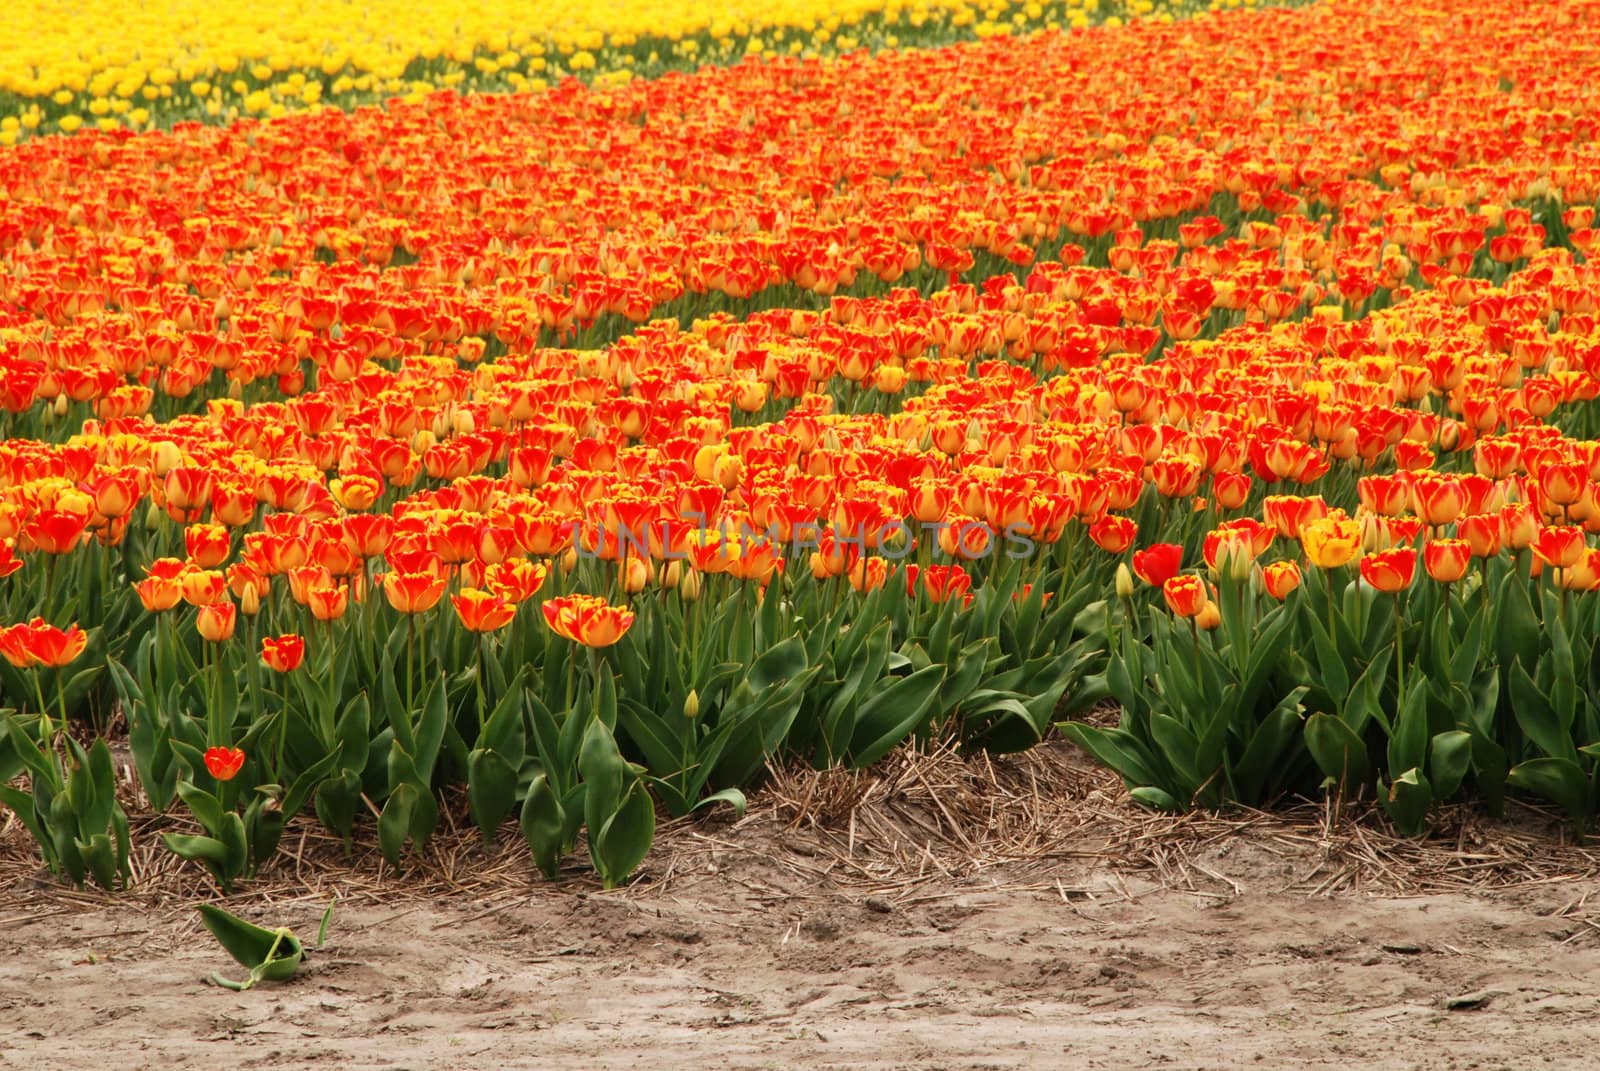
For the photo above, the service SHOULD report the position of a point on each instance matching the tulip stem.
(1399, 659)
(1194, 630)
(1327, 575)
(483, 668)
(411, 664)
(46, 730)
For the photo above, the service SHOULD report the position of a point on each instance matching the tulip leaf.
(491, 790)
(1449, 758)
(1559, 780)
(1537, 717)
(1339, 752)
(543, 826)
(1407, 802)
(623, 842)
(892, 715)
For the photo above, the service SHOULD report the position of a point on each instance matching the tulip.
(1482, 533)
(588, 619)
(54, 531)
(284, 653)
(224, 763)
(483, 611)
(208, 545)
(1113, 534)
(1280, 578)
(202, 587)
(1390, 571)
(1158, 563)
(1331, 542)
(1559, 545)
(413, 593)
(158, 593)
(1186, 595)
(40, 644)
(328, 602)
(216, 621)
(1446, 560)
(1437, 499)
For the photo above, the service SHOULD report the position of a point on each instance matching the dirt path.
(732, 958)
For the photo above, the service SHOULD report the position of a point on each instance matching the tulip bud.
(167, 456)
(689, 586)
(691, 705)
(61, 405)
(1124, 582)
(250, 602)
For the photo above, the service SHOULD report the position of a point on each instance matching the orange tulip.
(224, 763)
(158, 593)
(1559, 545)
(284, 653)
(1281, 578)
(413, 593)
(202, 587)
(328, 602)
(483, 611)
(1186, 595)
(1113, 534)
(40, 644)
(216, 621)
(1437, 499)
(1390, 570)
(208, 545)
(54, 531)
(1446, 560)
(587, 619)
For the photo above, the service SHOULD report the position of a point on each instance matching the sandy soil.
(748, 949)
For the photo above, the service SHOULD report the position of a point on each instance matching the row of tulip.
(112, 69)
(344, 533)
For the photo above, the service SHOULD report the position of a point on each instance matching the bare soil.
(793, 939)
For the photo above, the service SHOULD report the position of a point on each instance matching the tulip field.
(557, 458)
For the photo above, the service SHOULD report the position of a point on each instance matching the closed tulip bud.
(637, 576)
(166, 457)
(691, 705)
(250, 602)
(1124, 581)
(689, 586)
(1209, 617)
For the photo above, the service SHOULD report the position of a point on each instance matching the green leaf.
(1449, 758)
(1407, 802)
(1265, 755)
(1119, 749)
(1538, 718)
(1408, 743)
(1339, 753)
(543, 826)
(625, 839)
(731, 796)
(491, 791)
(1154, 798)
(1559, 780)
(891, 715)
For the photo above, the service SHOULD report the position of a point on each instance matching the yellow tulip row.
(116, 65)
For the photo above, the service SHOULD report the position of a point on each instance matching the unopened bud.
(691, 705)
(1124, 582)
